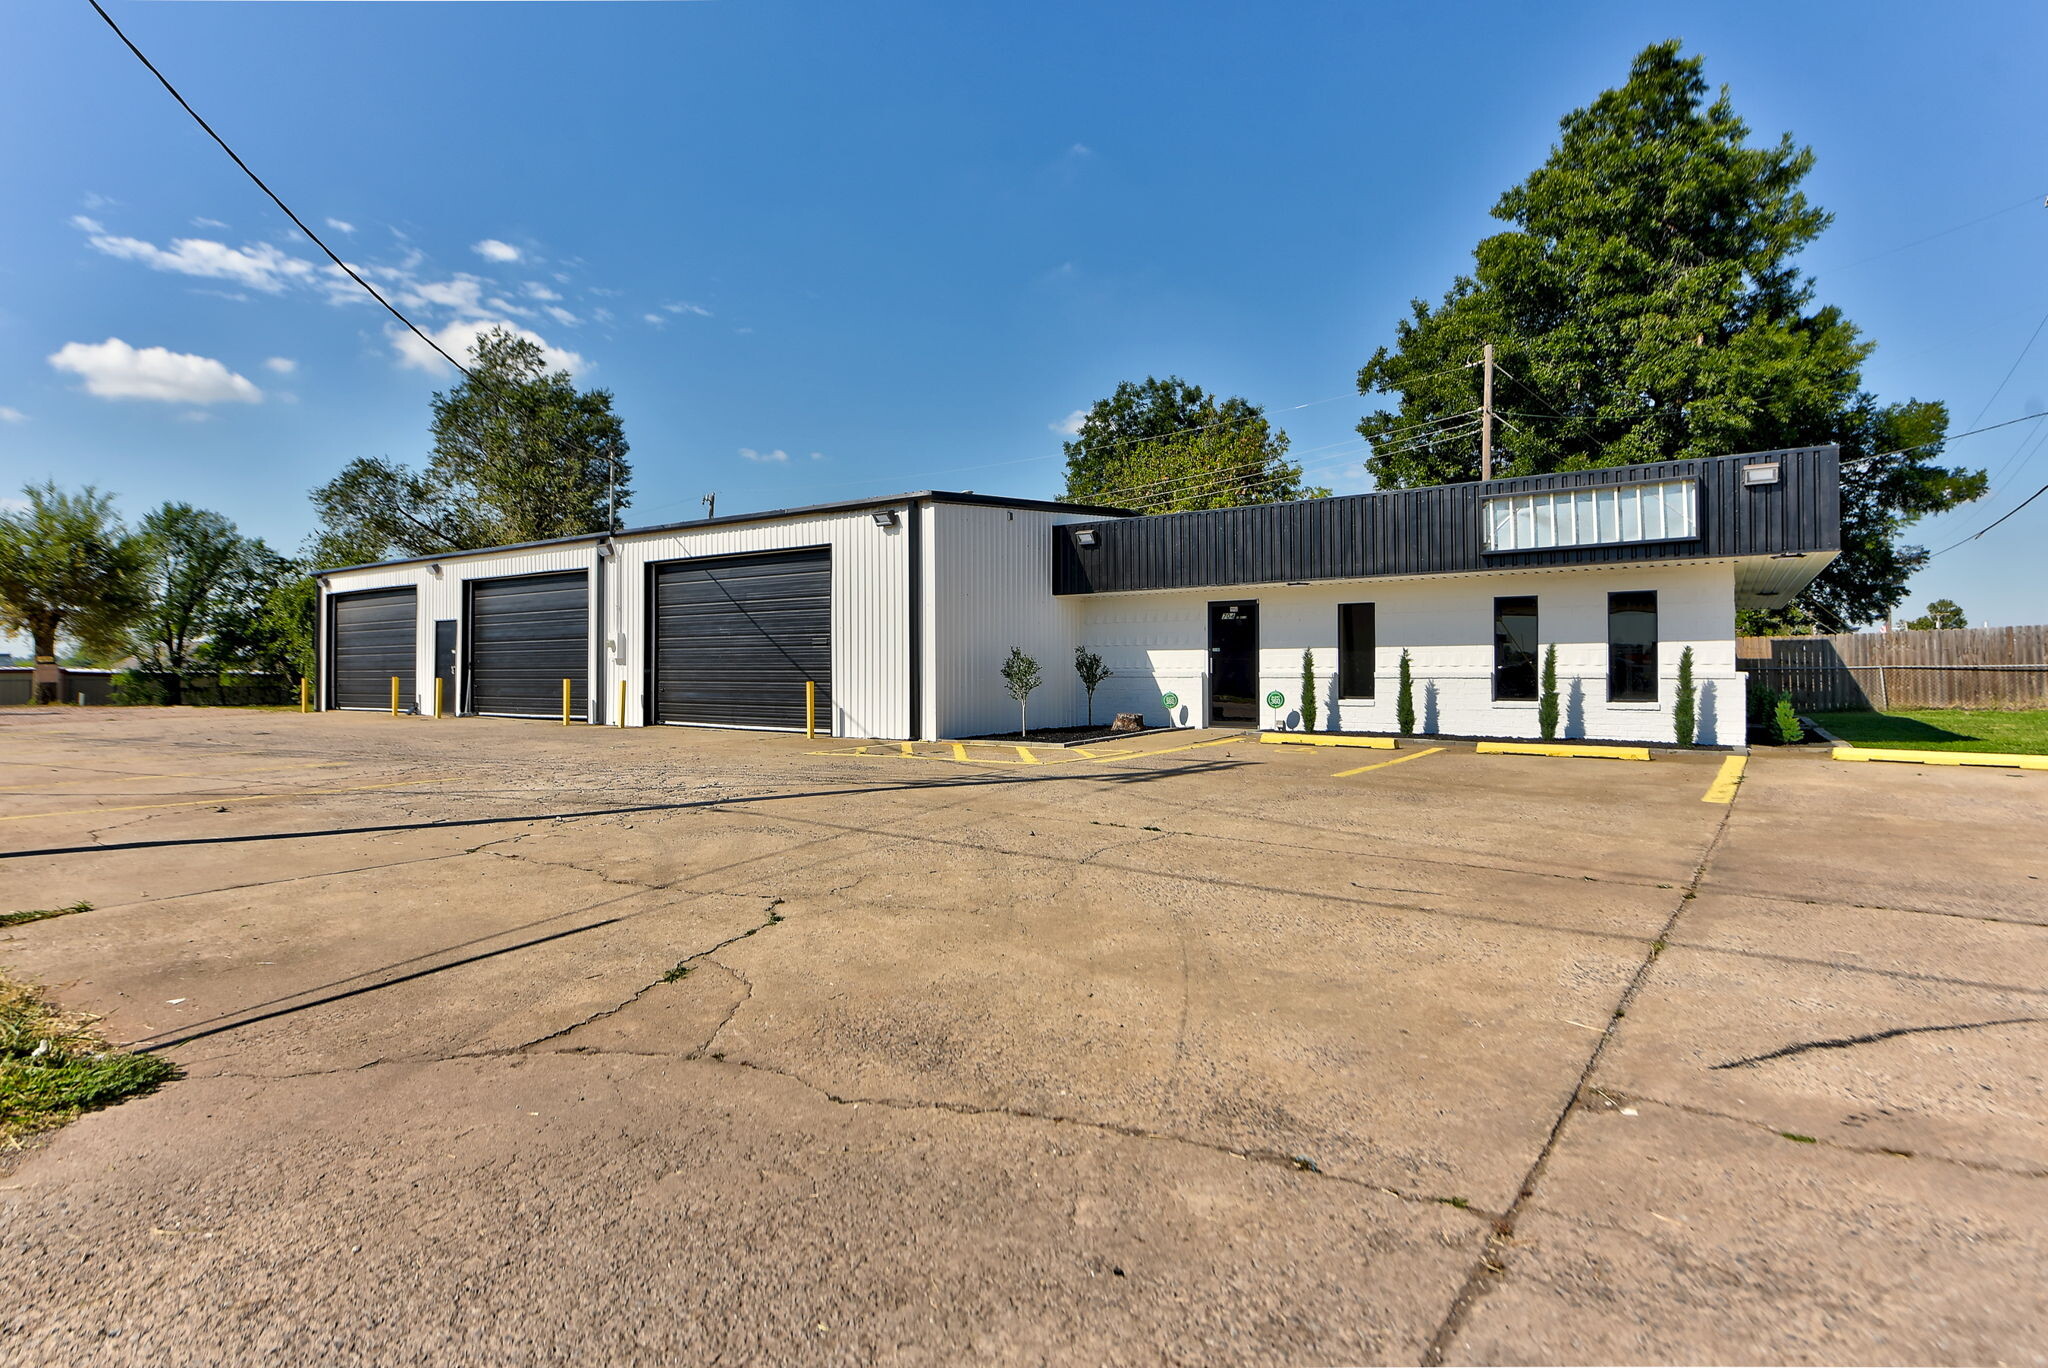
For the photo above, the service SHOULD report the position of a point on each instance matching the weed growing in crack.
(1459, 1202)
(1797, 1138)
(680, 972)
(43, 913)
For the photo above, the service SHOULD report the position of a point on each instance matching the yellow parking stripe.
(1397, 760)
(1722, 790)
(1026, 756)
(1168, 750)
(959, 751)
(215, 802)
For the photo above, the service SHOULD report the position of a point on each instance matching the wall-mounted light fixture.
(1085, 537)
(605, 550)
(1763, 473)
(885, 517)
(435, 569)
(1789, 555)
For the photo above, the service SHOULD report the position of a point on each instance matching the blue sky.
(821, 251)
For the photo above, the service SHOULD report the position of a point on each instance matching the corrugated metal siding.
(989, 589)
(1437, 530)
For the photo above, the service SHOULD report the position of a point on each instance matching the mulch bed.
(1066, 736)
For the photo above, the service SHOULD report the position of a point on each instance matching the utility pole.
(710, 502)
(1486, 418)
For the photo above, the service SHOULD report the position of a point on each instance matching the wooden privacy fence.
(1961, 667)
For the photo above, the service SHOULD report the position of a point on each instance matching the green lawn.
(1946, 729)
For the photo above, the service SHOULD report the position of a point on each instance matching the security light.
(435, 569)
(1085, 537)
(1765, 473)
(885, 517)
(605, 550)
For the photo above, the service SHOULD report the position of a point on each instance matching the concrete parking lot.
(509, 1042)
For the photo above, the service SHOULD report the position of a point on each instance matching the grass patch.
(1943, 729)
(54, 1065)
(1796, 1138)
(43, 914)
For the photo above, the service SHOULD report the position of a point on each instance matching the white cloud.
(656, 319)
(341, 225)
(195, 416)
(562, 316)
(202, 223)
(817, 455)
(490, 249)
(776, 457)
(688, 308)
(259, 266)
(1071, 424)
(283, 365)
(12, 415)
(459, 337)
(114, 370)
(87, 225)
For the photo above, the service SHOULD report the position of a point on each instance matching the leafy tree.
(1685, 712)
(1785, 721)
(204, 576)
(1940, 614)
(1308, 690)
(68, 567)
(1404, 698)
(1089, 666)
(520, 454)
(269, 626)
(1791, 620)
(1546, 702)
(1167, 446)
(1645, 306)
(1020, 677)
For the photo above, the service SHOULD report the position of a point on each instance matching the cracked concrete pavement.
(515, 1042)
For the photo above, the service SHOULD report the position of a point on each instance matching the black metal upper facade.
(1438, 530)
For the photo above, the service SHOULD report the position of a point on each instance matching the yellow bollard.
(305, 696)
(565, 702)
(394, 695)
(622, 702)
(810, 707)
(438, 684)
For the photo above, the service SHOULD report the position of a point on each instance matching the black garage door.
(526, 636)
(374, 636)
(735, 639)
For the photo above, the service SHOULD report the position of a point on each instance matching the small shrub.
(1684, 716)
(1089, 666)
(1546, 706)
(1785, 721)
(1020, 677)
(1404, 698)
(1308, 690)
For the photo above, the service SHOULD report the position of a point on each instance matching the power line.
(2014, 367)
(1975, 535)
(301, 223)
(1256, 463)
(1949, 437)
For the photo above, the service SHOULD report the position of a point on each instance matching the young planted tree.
(520, 454)
(69, 568)
(1785, 719)
(1020, 677)
(1546, 702)
(1308, 690)
(1684, 713)
(1404, 698)
(1166, 446)
(1645, 303)
(1089, 666)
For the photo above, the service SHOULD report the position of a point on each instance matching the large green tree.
(1645, 305)
(520, 454)
(69, 568)
(1165, 445)
(205, 580)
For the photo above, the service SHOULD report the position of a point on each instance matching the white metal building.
(900, 611)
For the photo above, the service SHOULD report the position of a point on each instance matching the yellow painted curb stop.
(1547, 748)
(1917, 757)
(1311, 739)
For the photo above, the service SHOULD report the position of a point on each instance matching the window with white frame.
(1658, 511)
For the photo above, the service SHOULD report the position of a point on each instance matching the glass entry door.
(1234, 661)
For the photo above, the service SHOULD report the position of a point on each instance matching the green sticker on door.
(1276, 699)
(1170, 700)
